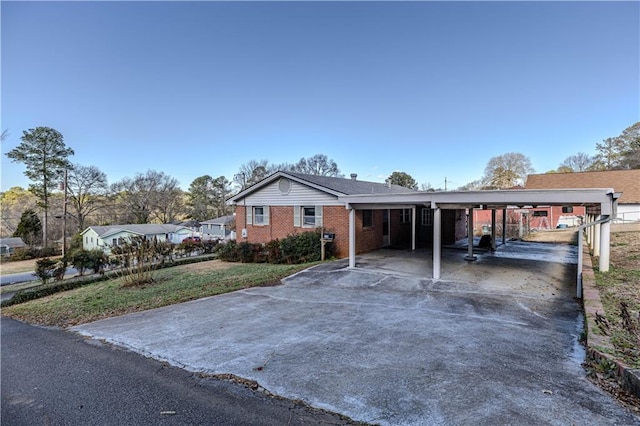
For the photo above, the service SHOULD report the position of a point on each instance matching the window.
(307, 216)
(405, 216)
(427, 217)
(539, 213)
(567, 209)
(114, 242)
(367, 218)
(258, 215)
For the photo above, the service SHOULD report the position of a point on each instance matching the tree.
(87, 189)
(151, 195)
(402, 179)
(29, 228)
(580, 162)
(318, 164)
(253, 172)
(200, 198)
(13, 203)
(631, 142)
(507, 170)
(609, 154)
(45, 156)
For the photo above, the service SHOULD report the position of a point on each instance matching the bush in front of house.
(297, 248)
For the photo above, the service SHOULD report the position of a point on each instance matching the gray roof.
(334, 185)
(15, 242)
(139, 229)
(222, 220)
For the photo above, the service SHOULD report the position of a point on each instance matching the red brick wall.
(335, 220)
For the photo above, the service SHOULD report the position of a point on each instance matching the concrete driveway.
(493, 342)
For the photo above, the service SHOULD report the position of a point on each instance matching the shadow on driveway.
(493, 342)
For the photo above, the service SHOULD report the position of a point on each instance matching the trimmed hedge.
(294, 249)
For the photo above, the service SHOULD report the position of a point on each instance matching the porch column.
(470, 255)
(437, 242)
(493, 229)
(605, 240)
(352, 238)
(413, 228)
(595, 245)
(504, 226)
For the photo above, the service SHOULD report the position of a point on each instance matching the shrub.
(44, 269)
(229, 251)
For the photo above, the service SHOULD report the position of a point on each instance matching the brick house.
(287, 203)
(625, 181)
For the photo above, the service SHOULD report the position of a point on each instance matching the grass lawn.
(18, 266)
(172, 285)
(620, 295)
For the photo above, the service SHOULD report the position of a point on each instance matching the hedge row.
(294, 249)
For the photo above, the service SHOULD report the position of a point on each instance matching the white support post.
(605, 240)
(493, 229)
(437, 242)
(504, 226)
(414, 226)
(595, 246)
(352, 238)
(470, 255)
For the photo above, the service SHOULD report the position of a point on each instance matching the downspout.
(580, 255)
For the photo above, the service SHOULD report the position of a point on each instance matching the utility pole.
(64, 217)
(445, 183)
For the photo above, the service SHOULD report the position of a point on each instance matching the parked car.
(192, 240)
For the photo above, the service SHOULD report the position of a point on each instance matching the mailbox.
(327, 236)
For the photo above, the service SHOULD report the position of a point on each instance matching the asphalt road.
(53, 377)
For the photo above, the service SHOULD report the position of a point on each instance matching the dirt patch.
(561, 236)
(209, 265)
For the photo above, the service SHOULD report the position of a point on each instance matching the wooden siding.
(299, 195)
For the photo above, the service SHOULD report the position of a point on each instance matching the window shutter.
(249, 213)
(266, 214)
(318, 220)
(296, 216)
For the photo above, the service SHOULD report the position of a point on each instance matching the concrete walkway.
(493, 342)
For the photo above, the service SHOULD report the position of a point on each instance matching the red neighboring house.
(288, 203)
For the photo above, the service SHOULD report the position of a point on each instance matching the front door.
(385, 228)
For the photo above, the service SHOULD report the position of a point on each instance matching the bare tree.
(13, 203)
(151, 195)
(318, 164)
(507, 170)
(253, 172)
(579, 162)
(87, 189)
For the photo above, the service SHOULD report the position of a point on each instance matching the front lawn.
(172, 285)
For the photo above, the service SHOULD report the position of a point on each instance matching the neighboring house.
(288, 203)
(625, 181)
(9, 245)
(220, 228)
(106, 237)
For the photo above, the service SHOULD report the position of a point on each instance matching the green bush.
(298, 248)
(45, 268)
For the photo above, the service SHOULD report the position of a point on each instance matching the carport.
(601, 205)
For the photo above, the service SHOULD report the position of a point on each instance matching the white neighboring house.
(218, 228)
(9, 245)
(106, 237)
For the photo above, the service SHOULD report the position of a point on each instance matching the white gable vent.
(284, 185)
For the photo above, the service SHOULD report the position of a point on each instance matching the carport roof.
(603, 197)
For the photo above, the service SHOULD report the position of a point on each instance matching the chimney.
(353, 176)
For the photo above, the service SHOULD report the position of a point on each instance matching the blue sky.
(434, 89)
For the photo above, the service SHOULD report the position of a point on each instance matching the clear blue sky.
(434, 89)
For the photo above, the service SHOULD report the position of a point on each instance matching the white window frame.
(302, 217)
(252, 215)
(405, 216)
(427, 217)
